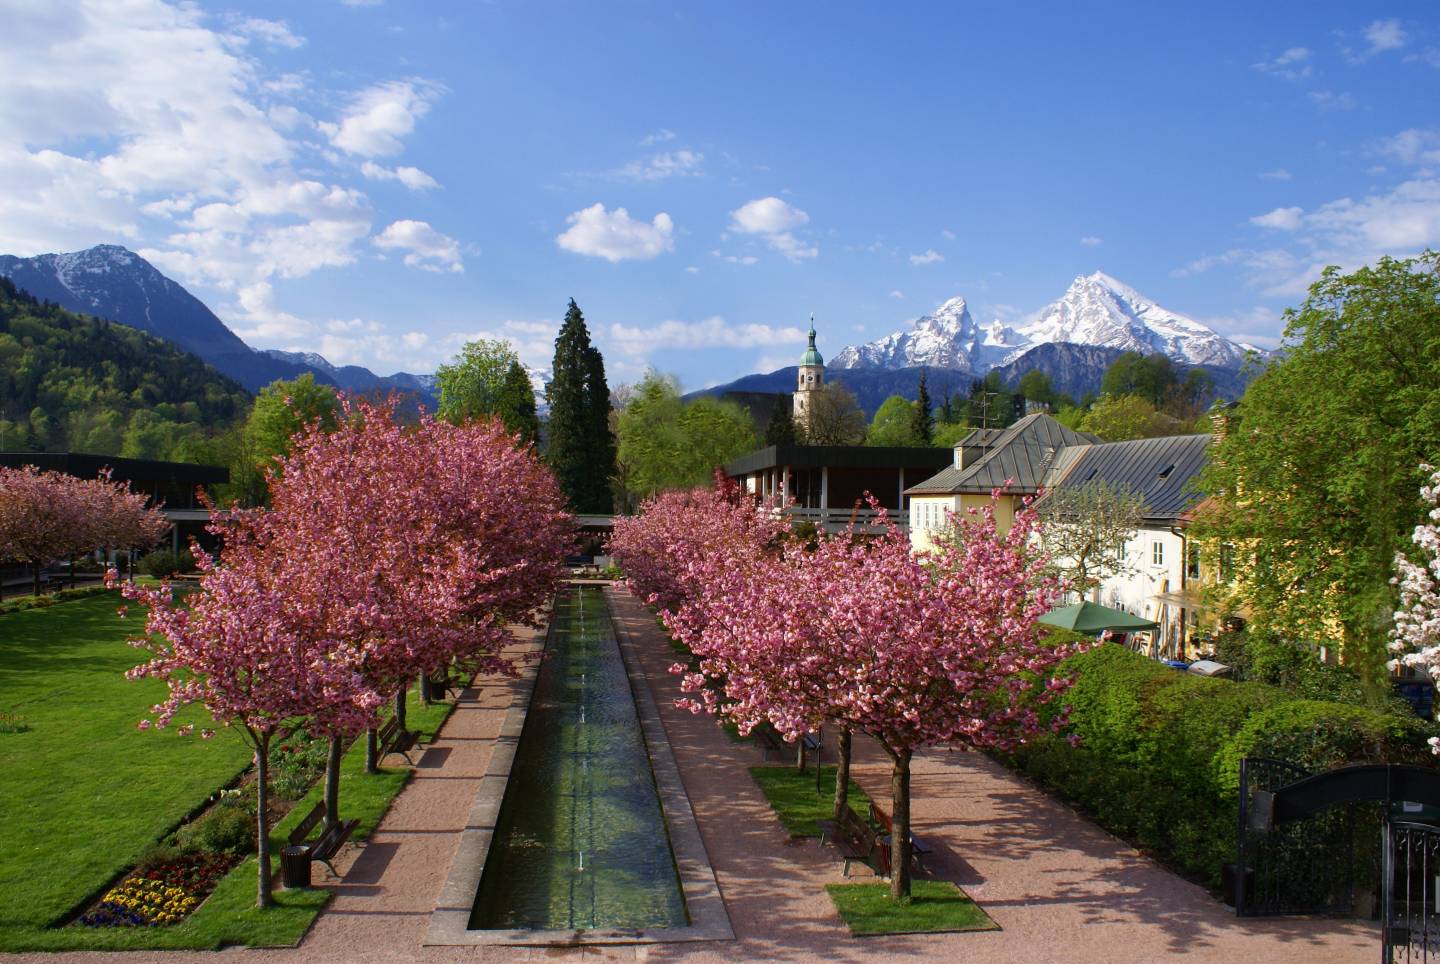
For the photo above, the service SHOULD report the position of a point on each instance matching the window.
(1227, 561)
(1192, 561)
(1157, 553)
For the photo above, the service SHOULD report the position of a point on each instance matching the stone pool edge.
(709, 919)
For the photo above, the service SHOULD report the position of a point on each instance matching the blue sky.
(379, 181)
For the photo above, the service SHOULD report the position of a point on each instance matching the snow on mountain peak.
(1096, 309)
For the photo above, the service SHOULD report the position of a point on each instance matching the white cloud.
(1292, 64)
(380, 117)
(774, 220)
(747, 259)
(1278, 174)
(412, 177)
(1413, 146)
(1091, 241)
(1330, 100)
(425, 247)
(1347, 232)
(931, 256)
(712, 332)
(659, 137)
(256, 316)
(273, 33)
(1260, 326)
(615, 236)
(948, 234)
(657, 167)
(691, 269)
(897, 293)
(1384, 35)
(1281, 219)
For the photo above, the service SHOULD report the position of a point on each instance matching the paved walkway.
(1061, 889)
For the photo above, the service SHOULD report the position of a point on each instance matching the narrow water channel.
(581, 841)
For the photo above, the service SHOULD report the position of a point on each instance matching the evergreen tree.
(947, 410)
(780, 430)
(517, 403)
(582, 450)
(922, 425)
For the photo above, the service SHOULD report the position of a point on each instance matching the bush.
(221, 830)
(163, 562)
(1159, 758)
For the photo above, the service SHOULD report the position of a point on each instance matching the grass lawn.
(85, 792)
(935, 906)
(793, 798)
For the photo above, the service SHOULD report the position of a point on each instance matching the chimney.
(1221, 416)
(959, 456)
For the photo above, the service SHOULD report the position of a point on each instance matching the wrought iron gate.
(1305, 866)
(1411, 911)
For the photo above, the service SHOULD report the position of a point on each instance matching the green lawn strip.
(82, 790)
(935, 906)
(229, 916)
(793, 797)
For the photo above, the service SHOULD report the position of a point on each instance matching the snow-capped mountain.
(949, 338)
(1096, 310)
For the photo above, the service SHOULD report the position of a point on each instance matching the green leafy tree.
(949, 434)
(991, 403)
(834, 417)
(665, 443)
(581, 451)
(1035, 386)
(281, 409)
(1116, 418)
(922, 427)
(893, 424)
(780, 429)
(1152, 377)
(487, 378)
(1314, 482)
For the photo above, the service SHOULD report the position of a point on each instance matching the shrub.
(163, 562)
(221, 830)
(1159, 758)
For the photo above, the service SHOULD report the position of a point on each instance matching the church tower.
(812, 376)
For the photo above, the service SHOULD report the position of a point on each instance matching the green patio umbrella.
(1092, 618)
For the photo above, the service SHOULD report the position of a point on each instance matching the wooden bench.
(392, 739)
(881, 821)
(856, 841)
(324, 847)
(771, 742)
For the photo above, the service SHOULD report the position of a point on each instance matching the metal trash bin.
(295, 867)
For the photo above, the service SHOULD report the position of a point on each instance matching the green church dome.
(812, 354)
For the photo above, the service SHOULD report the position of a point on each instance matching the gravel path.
(1060, 888)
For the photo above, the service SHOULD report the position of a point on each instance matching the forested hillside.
(82, 384)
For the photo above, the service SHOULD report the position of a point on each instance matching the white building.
(1037, 454)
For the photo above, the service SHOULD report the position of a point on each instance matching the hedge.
(1159, 756)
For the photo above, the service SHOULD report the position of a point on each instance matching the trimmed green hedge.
(1159, 756)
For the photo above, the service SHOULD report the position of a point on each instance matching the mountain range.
(1096, 310)
(113, 282)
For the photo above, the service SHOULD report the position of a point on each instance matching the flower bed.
(161, 894)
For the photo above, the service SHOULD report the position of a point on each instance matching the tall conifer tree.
(780, 430)
(922, 426)
(582, 450)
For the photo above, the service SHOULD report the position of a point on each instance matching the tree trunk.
(819, 758)
(372, 750)
(900, 824)
(400, 707)
(332, 783)
(262, 817)
(424, 687)
(842, 772)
